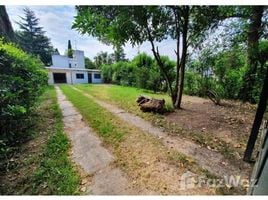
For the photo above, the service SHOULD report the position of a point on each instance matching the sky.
(57, 22)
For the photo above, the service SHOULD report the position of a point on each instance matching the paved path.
(207, 159)
(90, 155)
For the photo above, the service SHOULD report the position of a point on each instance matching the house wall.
(51, 79)
(75, 80)
(94, 80)
(60, 61)
(79, 59)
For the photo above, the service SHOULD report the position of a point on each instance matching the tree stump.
(148, 104)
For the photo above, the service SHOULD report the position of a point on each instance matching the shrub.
(141, 72)
(107, 73)
(22, 80)
(191, 85)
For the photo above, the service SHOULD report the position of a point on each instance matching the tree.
(102, 58)
(137, 24)
(70, 50)
(89, 64)
(118, 54)
(32, 39)
(56, 52)
(250, 23)
(262, 107)
(6, 29)
(254, 31)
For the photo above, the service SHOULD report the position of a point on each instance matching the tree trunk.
(253, 53)
(177, 52)
(258, 119)
(6, 29)
(160, 63)
(183, 57)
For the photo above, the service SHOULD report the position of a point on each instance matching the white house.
(72, 70)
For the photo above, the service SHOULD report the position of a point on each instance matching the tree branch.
(158, 59)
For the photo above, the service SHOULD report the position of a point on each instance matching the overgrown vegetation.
(223, 72)
(22, 81)
(141, 72)
(41, 165)
(220, 72)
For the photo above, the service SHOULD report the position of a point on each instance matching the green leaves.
(118, 25)
(22, 80)
(141, 72)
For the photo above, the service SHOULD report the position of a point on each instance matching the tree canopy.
(32, 39)
(118, 25)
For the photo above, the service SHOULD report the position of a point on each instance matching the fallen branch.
(214, 97)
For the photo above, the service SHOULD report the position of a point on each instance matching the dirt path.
(102, 177)
(207, 159)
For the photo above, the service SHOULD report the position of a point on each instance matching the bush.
(22, 80)
(141, 72)
(191, 85)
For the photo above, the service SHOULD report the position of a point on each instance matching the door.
(89, 77)
(59, 77)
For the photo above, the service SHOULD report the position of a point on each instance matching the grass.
(43, 165)
(99, 119)
(56, 172)
(115, 93)
(115, 133)
(125, 97)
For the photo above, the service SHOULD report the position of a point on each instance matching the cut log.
(151, 105)
(142, 99)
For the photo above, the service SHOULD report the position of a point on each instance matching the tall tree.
(118, 54)
(246, 26)
(262, 107)
(102, 58)
(89, 64)
(70, 50)
(32, 39)
(253, 35)
(137, 24)
(6, 29)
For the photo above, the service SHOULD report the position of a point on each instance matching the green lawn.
(123, 96)
(100, 119)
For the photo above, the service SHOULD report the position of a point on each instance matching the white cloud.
(57, 22)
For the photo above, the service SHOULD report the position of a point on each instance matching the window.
(97, 76)
(70, 65)
(80, 76)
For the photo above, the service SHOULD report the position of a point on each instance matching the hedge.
(22, 81)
